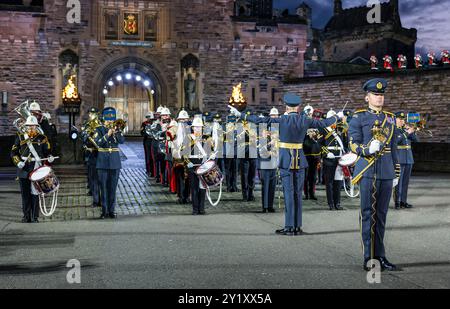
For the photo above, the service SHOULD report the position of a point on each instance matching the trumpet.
(118, 125)
(419, 127)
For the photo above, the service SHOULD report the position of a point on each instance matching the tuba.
(24, 111)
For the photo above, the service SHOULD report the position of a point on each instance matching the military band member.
(230, 150)
(218, 131)
(194, 157)
(91, 154)
(155, 129)
(108, 137)
(48, 129)
(405, 136)
(267, 165)
(292, 163)
(180, 169)
(247, 163)
(372, 137)
(313, 150)
(148, 139)
(333, 149)
(28, 150)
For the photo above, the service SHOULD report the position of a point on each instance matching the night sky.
(431, 18)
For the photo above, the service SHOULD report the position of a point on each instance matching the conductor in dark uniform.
(148, 140)
(405, 136)
(108, 138)
(230, 150)
(313, 150)
(292, 162)
(373, 139)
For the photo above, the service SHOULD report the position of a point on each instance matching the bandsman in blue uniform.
(405, 136)
(373, 139)
(292, 163)
(91, 153)
(268, 164)
(29, 148)
(108, 137)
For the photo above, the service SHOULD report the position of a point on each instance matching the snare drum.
(348, 159)
(44, 180)
(209, 174)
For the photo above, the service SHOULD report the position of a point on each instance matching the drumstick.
(346, 103)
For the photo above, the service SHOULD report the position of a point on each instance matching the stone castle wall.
(424, 91)
(228, 52)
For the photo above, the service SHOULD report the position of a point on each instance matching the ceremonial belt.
(292, 146)
(108, 150)
(403, 147)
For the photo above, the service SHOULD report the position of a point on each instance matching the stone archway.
(108, 76)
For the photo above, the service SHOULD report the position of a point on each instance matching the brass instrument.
(118, 125)
(420, 127)
(90, 129)
(24, 111)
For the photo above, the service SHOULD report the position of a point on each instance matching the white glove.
(21, 165)
(51, 159)
(190, 165)
(234, 111)
(395, 182)
(331, 155)
(374, 147)
(340, 115)
(213, 156)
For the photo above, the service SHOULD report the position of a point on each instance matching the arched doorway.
(133, 86)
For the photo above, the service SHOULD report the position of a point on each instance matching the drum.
(348, 159)
(44, 180)
(209, 174)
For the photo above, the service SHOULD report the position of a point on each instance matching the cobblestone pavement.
(139, 195)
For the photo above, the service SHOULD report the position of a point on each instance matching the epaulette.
(361, 111)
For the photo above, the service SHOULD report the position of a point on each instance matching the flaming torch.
(237, 99)
(70, 93)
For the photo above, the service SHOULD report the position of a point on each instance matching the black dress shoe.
(338, 207)
(26, 220)
(365, 267)
(298, 231)
(195, 213)
(305, 198)
(202, 212)
(408, 206)
(285, 232)
(35, 220)
(331, 207)
(314, 198)
(397, 206)
(386, 265)
(113, 216)
(271, 210)
(264, 211)
(251, 199)
(102, 216)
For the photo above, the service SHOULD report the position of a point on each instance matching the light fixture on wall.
(4, 98)
(147, 83)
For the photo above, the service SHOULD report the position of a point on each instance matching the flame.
(237, 96)
(70, 91)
